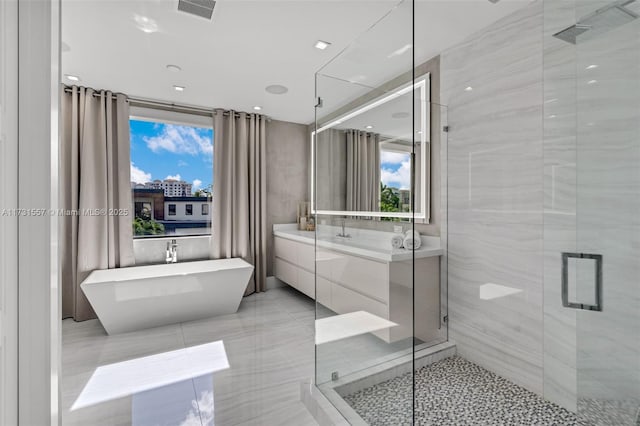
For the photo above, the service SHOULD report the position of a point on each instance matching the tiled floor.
(239, 369)
(456, 392)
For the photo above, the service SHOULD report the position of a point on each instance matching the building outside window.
(171, 176)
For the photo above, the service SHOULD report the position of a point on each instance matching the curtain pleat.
(95, 172)
(239, 226)
(363, 171)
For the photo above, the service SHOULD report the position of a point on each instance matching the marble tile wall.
(492, 85)
(592, 196)
(542, 157)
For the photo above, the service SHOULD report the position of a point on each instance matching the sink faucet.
(172, 252)
(343, 234)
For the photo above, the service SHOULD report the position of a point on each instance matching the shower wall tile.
(492, 84)
(592, 177)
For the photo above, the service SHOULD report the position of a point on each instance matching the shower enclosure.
(592, 208)
(376, 161)
(525, 188)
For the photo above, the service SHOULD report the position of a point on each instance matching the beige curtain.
(239, 226)
(363, 171)
(331, 170)
(95, 191)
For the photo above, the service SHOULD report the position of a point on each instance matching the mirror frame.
(424, 84)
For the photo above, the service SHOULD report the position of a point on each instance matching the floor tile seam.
(193, 384)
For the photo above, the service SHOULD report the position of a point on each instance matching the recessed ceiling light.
(322, 44)
(468, 89)
(368, 127)
(144, 24)
(174, 68)
(419, 132)
(257, 108)
(178, 88)
(592, 81)
(276, 89)
(72, 77)
(591, 67)
(552, 116)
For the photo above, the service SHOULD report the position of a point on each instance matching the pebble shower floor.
(457, 392)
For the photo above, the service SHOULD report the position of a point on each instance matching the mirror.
(362, 158)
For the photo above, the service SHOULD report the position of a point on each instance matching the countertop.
(374, 245)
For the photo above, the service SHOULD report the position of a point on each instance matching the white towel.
(412, 240)
(397, 240)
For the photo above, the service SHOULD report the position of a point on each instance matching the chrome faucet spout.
(343, 234)
(172, 252)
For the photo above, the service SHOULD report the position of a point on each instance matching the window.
(143, 210)
(205, 209)
(395, 178)
(171, 170)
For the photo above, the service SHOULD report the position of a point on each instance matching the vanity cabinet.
(348, 283)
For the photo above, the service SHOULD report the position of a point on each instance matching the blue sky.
(395, 169)
(161, 151)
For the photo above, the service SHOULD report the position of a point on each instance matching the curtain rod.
(168, 106)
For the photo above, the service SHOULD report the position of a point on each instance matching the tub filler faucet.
(343, 234)
(172, 251)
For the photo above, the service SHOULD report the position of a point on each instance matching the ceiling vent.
(201, 8)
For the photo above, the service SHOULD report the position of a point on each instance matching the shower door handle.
(598, 281)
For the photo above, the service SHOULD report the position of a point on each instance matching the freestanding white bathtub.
(139, 297)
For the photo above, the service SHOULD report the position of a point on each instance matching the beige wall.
(287, 175)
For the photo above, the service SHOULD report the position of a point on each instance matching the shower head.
(599, 22)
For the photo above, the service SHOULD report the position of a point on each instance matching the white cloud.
(180, 140)
(175, 177)
(182, 163)
(390, 157)
(197, 183)
(400, 178)
(139, 175)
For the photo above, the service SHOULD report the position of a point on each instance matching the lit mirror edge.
(424, 216)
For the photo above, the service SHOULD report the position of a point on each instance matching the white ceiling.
(227, 62)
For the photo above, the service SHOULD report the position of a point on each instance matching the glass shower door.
(592, 214)
(366, 131)
(608, 212)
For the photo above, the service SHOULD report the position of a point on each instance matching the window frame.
(165, 115)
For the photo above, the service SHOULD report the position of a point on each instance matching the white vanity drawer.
(286, 249)
(306, 256)
(344, 301)
(286, 272)
(323, 292)
(326, 261)
(362, 275)
(306, 283)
